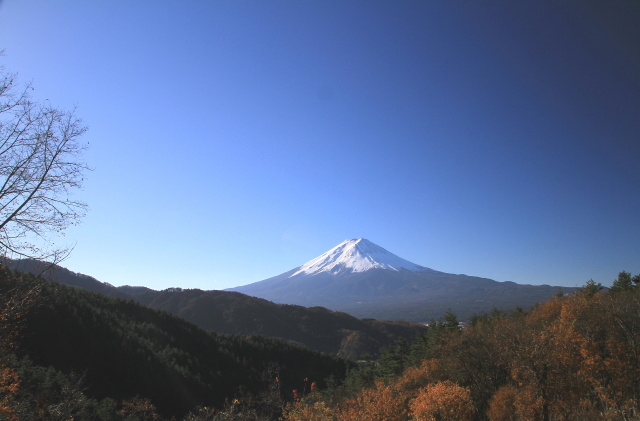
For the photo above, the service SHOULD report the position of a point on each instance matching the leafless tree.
(40, 167)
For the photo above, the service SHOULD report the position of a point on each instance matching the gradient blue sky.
(235, 140)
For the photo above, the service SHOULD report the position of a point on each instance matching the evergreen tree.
(591, 288)
(623, 283)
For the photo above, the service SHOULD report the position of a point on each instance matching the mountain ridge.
(365, 280)
(122, 349)
(234, 313)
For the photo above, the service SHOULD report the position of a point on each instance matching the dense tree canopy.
(571, 358)
(78, 354)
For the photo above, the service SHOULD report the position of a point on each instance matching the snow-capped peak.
(357, 255)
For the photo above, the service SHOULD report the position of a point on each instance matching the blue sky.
(234, 140)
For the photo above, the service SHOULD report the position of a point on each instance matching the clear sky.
(232, 141)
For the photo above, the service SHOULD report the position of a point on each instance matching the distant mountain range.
(225, 312)
(363, 279)
(356, 278)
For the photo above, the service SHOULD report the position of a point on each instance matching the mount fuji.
(357, 255)
(365, 280)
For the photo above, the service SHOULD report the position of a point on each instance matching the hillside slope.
(123, 349)
(234, 313)
(316, 327)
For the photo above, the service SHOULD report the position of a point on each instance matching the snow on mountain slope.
(363, 279)
(356, 255)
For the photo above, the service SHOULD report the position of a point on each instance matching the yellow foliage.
(443, 401)
(317, 411)
(382, 402)
(420, 376)
(502, 406)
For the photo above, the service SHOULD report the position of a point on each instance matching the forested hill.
(572, 358)
(121, 349)
(234, 313)
(62, 275)
(315, 327)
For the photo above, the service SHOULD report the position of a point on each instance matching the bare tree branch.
(40, 167)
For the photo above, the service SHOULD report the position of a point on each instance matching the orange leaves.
(608, 335)
(571, 358)
(382, 402)
(515, 404)
(442, 401)
(502, 406)
(317, 411)
(420, 376)
(9, 385)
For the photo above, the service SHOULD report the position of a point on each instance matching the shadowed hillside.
(121, 349)
(234, 313)
(316, 327)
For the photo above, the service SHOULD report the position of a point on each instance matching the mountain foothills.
(67, 353)
(365, 280)
(71, 354)
(234, 313)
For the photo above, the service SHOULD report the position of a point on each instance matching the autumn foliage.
(571, 358)
(16, 298)
(9, 384)
(382, 402)
(442, 401)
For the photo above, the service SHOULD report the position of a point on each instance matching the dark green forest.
(229, 312)
(82, 355)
